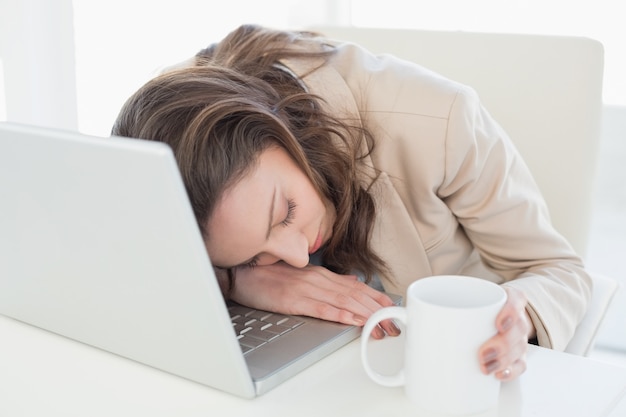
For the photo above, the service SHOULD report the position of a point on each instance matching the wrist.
(532, 332)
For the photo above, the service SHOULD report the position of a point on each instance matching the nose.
(293, 250)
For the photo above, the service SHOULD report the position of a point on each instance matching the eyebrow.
(271, 221)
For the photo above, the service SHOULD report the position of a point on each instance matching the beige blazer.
(454, 197)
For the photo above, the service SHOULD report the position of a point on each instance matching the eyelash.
(252, 263)
(291, 207)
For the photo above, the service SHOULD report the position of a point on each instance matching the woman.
(309, 162)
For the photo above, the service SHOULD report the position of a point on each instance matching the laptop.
(98, 243)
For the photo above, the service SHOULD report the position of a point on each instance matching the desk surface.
(42, 374)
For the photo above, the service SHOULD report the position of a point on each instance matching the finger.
(319, 308)
(348, 294)
(503, 350)
(517, 348)
(311, 293)
(513, 370)
(511, 342)
(322, 309)
(379, 297)
(329, 296)
(329, 304)
(326, 303)
(369, 297)
(385, 328)
(390, 327)
(358, 289)
(377, 332)
(512, 310)
(362, 303)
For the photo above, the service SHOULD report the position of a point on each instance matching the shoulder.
(404, 104)
(416, 115)
(386, 83)
(419, 119)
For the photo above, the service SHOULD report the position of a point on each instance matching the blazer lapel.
(396, 240)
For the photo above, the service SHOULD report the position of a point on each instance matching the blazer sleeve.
(493, 195)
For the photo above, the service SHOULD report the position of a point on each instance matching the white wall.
(36, 49)
(120, 44)
(598, 19)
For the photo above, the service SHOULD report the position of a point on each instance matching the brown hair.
(237, 100)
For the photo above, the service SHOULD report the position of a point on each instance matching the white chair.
(546, 91)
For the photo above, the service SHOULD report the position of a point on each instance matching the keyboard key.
(259, 315)
(262, 334)
(277, 328)
(290, 322)
(255, 328)
(236, 310)
(251, 342)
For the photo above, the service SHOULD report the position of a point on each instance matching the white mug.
(447, 319)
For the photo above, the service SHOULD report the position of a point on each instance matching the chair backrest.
(546, 91)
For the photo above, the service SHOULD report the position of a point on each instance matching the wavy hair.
(235, 101)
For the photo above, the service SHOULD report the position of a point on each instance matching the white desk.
(42, 374)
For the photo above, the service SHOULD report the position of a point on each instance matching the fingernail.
(492, 366)
(395, 330)
(379, 333)
(507, 323)
(489, 355)
(358, 320)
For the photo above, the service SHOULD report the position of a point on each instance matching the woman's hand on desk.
(505, 353)
(311, 291)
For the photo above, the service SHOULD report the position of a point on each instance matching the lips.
(317, 244)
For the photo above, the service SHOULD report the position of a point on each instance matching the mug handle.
(398, 313)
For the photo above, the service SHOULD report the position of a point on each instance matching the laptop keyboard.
(255, 328)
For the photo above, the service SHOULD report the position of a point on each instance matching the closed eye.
(251, 263)
(291, 207)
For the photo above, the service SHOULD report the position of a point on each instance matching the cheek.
(225, 244)
(266, 259)
(313, 206)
